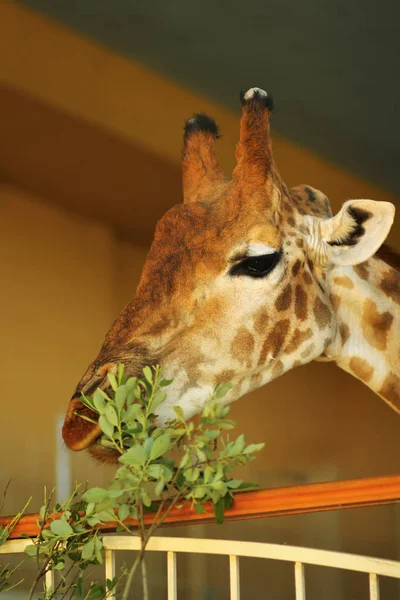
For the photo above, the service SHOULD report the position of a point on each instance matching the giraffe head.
(232, 289)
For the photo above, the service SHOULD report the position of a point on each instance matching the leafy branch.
(184, 463)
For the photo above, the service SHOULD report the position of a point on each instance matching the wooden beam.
(318, 497)
(55, 65)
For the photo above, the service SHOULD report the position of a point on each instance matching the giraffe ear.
(356, 232)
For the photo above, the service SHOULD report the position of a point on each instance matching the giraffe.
(247, 279)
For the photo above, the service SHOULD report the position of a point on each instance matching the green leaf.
(89, 508)
(228, 501)
(184, 460)
(113, 381)
(123, 512)
(61, 527)
(179, 412)
(201, 455)
(111, 415)
(146, 498)
(165, 382)
(155, 471)
(42, 512)
(97, 591)
(161, 445)
(200, 509)
(79, 585)
(92, 521)
(148, 444)
(59, 566)
(159, 487)
(158, 399)
(199, 492)
(95, 495)
(211, 434)
(120, 396)
(134, 456)
(219, 486)
(234, 483)
(219, 511)
(208, 474)
(99, 402)
(192, 474)
(106, 515)
(111, 583)
(131, 383)
(121, 370)
(31, 550)
(147, 373)
(253, 448)
(106, 426)
(47, 534)
(247, 485)
(222, 389)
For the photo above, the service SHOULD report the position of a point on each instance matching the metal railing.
(233, 550)
(252, 505)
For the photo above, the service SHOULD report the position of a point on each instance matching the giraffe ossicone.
(247, 279)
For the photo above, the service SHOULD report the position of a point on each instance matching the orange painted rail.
(273, 502)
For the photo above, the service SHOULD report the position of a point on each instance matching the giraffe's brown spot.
(242, 346)
(296, 267)
(275, 340)
(300, 305)
(390, 285)
(284, 299)
(291, 222)
(297, 339)
(309, 350)
(344, 332)
(261, 321)
(307, 278)
(335, 300)
(361, 368)
(375, 325)
(225, 376)
(292, 233)
(310, 265)
(193, 361)
(277, 369)
(344, 282)
(362, 270)
(299, 243)
(390, 390)
(322, 313)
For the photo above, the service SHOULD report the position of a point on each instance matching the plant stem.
(131, 573)
(144, 581)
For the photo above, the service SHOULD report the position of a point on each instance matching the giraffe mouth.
(103, 454)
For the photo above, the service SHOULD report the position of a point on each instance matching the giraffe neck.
(366, 299)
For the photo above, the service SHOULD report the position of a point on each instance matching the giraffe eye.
(256, 266)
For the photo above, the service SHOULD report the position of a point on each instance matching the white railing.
(300, 557)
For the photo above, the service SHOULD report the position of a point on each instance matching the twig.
(144, 580)
(5, 494)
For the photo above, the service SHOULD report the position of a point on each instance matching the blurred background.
(93, 97)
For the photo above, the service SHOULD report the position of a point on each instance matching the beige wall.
(62, 286)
